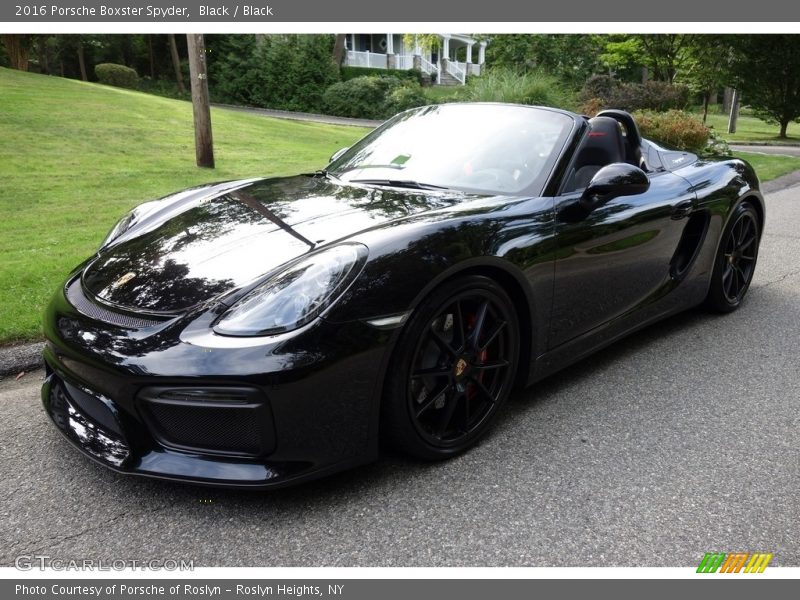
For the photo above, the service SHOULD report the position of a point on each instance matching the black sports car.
(262, 332)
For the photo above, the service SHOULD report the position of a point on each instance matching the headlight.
(296, 295)
(125, 222)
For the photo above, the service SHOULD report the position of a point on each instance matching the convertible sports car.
(264, 332)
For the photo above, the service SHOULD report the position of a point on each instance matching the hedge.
(348, 73)
(117, 75)
(372, 97)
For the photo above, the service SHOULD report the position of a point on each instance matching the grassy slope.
(75, 156)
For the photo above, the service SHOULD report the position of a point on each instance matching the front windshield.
(484, 148)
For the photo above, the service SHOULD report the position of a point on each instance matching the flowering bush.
(674, 128)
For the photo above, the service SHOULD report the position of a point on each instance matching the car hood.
(199, 244)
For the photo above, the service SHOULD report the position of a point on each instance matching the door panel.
(616, 258)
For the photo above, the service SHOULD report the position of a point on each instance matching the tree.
(665, 54)
(708, 59)
(766, 69)
(338, 49)
(176, 63)
(18, 50)
(571, 58)
(82, 60)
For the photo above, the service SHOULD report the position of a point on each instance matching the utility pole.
(203, 142)
(737, 98)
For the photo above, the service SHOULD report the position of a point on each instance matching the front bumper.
(308, 407)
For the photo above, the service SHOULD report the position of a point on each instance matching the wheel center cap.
(460, 367)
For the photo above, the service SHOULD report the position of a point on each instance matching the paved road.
(777, 149)
(301, 116)
(684, 438)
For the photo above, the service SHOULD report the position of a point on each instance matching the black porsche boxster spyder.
(263, 332)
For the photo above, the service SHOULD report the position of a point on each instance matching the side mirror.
(339, 153)
(612, 181)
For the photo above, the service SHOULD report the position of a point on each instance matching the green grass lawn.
(770, 166)
(750, 129)
(75, 156)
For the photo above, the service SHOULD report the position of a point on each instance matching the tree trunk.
(176, 63)
(338, 49)
(17, 50)
(151, 56)
(727, 96)
(44, 59)
(82, 60)
(706, 99)
(203, 141)
(784, 126)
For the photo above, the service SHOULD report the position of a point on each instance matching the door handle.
(682, 209)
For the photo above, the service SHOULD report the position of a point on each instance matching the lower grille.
(208, 426)
(83, 305)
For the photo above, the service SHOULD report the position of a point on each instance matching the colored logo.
(734, 562)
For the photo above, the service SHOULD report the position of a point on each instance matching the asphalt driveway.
(682, 439)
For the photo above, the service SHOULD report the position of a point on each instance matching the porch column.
(391, 59)
(482, 53)
(445, 46)
(469, 52)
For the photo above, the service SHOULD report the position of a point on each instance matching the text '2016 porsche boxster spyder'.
(263, 332)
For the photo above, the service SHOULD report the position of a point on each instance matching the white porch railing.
(427, 66)
(474, 69)
(404, 61)
(457, 70)
(368, 59)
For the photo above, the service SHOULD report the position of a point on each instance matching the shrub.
(604, 91)
(602, 87)
(371, 97)
(349, 73)
(507, 85)
(674, 128)
(653, 95)
(716, 146)
(117, 75)
(162, 87)
(405, 97)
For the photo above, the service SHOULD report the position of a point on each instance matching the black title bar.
(455, 11)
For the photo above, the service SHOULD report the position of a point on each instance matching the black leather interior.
(603, 145)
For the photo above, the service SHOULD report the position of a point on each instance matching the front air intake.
(214, 420)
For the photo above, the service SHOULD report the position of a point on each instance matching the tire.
(452, 369)
(735, 262)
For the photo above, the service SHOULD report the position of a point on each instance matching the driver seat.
(602, 146)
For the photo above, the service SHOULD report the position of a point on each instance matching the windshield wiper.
(400, 183)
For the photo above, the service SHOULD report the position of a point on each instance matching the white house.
(449, 63)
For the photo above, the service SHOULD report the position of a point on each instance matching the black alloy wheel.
(736, 260)
(456, 364)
